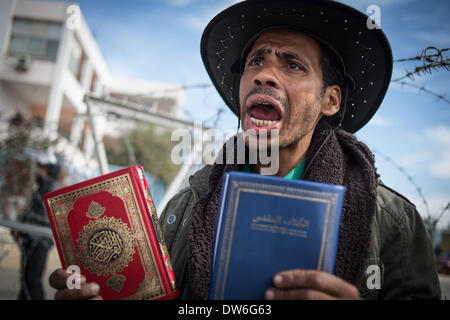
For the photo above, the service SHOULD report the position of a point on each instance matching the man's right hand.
(87, 291)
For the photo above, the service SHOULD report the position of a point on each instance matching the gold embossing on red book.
(110, 239)
(159, 233)
(116, 282)
(95, 210)
(105, 246)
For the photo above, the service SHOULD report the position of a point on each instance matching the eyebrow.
(285, 55)
(292, 56)
(259, 53)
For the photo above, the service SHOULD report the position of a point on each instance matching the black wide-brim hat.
(364, 52)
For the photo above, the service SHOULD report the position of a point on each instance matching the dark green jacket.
(401, 263)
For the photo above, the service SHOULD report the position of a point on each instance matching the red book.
(108, 226)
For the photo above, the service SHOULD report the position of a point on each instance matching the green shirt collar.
(294, 174)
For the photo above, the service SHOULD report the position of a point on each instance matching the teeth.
(262, 123)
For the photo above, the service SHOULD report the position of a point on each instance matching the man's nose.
(266, 77)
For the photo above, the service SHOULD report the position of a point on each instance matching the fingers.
(318, 282)
(296, 294)
(87, 291)
(58, 278)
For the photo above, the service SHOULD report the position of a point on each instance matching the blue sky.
(159, 40)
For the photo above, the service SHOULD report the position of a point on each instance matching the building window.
(38, 39)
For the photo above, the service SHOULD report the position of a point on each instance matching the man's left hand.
(310, 285)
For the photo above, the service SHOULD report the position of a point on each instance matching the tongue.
(264, 112)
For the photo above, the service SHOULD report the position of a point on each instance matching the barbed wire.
(447, 207)
(416, 186)
(408, 176)
(425, 69)
(218, 117)
(432, 60)
(425, 55)
(169, 90)
(422, 88)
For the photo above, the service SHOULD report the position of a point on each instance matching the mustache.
(269, 91)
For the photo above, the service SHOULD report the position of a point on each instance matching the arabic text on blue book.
(269, 224)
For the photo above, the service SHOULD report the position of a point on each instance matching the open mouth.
(263, 112)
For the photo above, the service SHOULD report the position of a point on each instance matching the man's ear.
(331, 100)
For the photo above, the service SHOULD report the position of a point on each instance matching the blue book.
(269, 224)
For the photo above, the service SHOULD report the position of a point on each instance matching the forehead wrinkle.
(290, 41)
(260, 52)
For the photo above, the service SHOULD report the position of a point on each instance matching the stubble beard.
(290, 135)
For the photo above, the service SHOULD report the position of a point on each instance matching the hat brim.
(365, 53)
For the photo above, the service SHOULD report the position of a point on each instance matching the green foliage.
(146, 145)
(17, 165)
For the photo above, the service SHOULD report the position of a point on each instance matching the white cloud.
(382, 3)
(379, 121)
(203, 17)
(439, 134)
(413, 160)
(197, 22)
(441, 168)
(179, 3)
(438, 38)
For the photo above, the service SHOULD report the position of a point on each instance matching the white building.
(49, 60)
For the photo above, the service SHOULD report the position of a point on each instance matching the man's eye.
(295, 66)
(255, 62)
